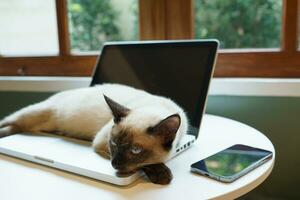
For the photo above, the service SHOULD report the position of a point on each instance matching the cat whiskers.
(123, 144)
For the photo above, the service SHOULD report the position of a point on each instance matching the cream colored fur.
(83, 113)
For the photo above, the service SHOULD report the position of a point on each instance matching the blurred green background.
(92, 22)
(239, 23)
(236, 23)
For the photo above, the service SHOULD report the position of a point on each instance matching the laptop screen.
(180, 71)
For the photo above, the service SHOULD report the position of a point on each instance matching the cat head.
(139, 138)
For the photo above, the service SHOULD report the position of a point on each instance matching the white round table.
(24, 180)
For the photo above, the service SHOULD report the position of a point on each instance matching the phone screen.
(231, 161)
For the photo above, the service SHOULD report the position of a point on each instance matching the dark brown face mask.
(125, 162)
(122, 158)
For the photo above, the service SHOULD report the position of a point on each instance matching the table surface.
(21, 179)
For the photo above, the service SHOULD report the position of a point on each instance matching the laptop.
(180, 70)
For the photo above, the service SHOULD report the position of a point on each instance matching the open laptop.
(180, 70)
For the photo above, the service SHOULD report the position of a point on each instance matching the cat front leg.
(102, 150)
(158, 173)
(101, 142)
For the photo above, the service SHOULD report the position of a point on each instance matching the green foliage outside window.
(92, 22)
(239, 23)
(236, 23)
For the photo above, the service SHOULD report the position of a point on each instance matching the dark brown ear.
(117, 110)
(166, 129)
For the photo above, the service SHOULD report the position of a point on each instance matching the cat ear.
(117, 110)
(166, 129)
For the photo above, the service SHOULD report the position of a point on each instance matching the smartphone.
(231, 163)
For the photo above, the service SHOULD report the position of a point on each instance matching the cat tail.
(7, 129)
(24, 120)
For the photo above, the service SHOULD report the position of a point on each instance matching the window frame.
(167, 20)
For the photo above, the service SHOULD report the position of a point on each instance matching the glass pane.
(93, 22)
(298, 25)
(239, 23)
(28, 27)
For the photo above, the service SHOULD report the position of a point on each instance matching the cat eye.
(136, 150)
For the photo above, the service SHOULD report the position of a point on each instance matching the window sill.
(219, 86)
(41, 83)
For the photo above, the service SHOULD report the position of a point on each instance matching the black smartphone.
(231, 163)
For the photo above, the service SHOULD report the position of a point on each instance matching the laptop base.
(68, 154)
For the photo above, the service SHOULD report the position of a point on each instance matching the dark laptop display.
(178, 70)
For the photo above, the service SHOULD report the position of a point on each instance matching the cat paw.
(102, 149)
(103, 153)
(158, 173)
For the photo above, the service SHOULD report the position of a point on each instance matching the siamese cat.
(132, 128)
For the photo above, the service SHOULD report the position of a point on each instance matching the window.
(258, 38)
(298, 25)
(239, 23)
(91, 23)
(28, 28)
